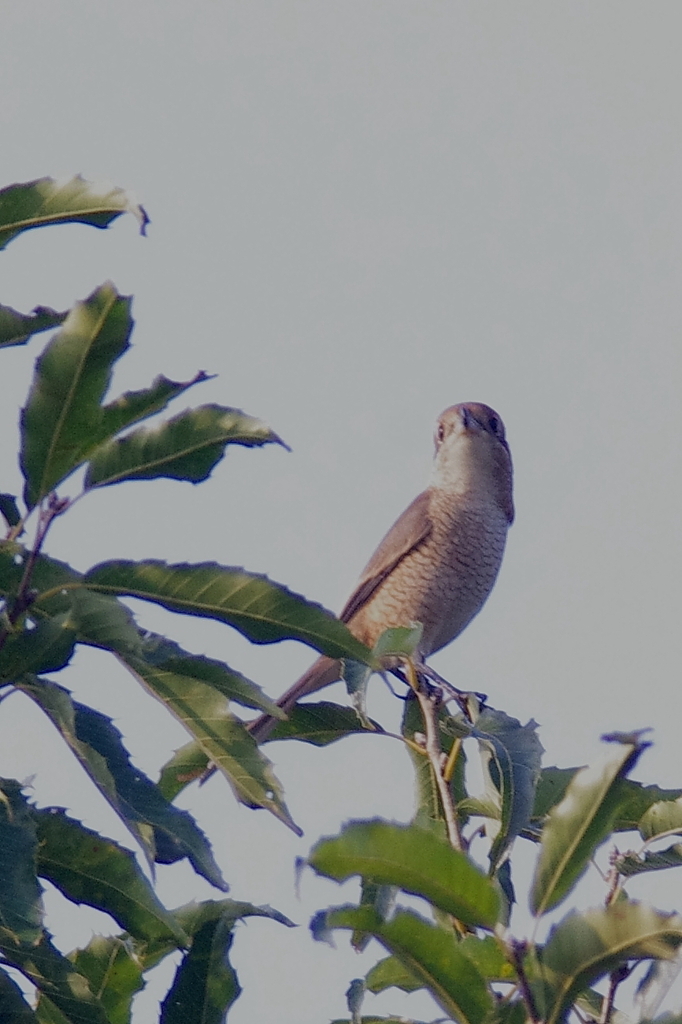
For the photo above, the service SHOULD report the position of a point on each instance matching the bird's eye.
(440, 433)
(494, 424)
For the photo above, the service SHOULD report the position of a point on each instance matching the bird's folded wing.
(407, 533)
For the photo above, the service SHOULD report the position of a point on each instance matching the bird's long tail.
(321, 673)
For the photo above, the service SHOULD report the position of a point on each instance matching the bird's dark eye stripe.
(494, 424)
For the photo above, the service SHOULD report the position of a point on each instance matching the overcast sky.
(364, 212)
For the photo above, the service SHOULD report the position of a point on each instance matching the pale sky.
(364, 212)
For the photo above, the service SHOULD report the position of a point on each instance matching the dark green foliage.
(462, 952)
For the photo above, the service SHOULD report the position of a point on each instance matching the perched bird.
(438, 562)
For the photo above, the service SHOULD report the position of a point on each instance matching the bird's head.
(472, 454)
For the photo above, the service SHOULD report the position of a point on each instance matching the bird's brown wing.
(410, 530)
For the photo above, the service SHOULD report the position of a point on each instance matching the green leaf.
(91, 869)
(550, 791)
(381, 898)
(21, 906)
(399, 640)
(9, 509)
(372, 1019)
(134, 406)
(584, 947)
(49, 579)
(166, 657)
(102, 621)
(429, 953)
(320, 724)
(185, 766)
(511, 755)
(62, 420)
(665, 816)
(137, 801)
(489, 955)
(413, 859)
(263, 611)
(16, 328)
(13, 1007)
(391, 973)
(186, 447)
(577, 825)
(114, 971)
(629, 864)
(35, 204)
(205, 713)
(636, 800)
(205, 984)
(47, 647)
(429, 812)
(56, 978)
(193, 916)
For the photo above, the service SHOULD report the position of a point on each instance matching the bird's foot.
(425, 672)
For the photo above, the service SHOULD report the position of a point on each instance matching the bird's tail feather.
(321, 673)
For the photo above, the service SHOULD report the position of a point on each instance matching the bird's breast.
(443, 582)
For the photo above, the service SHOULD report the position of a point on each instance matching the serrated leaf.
(55, 977)
(133, 406)
(140, 805)
(205, 713)
(577, 825)
(262, 610)
(102, 621)
(89, 868)
(17, 328)
(431, 954)
(61, 423)
(629, 864)
(35, 204)
(193, 916)
(205, 983)
(99, 619)
(21, 906)
(511, 755)
(47, 647)
(586, 946)
(320, 724)
(167, 657)
(186, 447)
(113, 971)
(414, 860)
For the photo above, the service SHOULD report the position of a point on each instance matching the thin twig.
(435, 755)
(615, 979)
(517, 951)
(22, 601)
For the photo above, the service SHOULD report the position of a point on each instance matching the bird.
(439, 561)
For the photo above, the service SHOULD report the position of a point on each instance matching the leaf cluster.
(451, 866)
